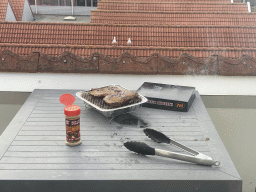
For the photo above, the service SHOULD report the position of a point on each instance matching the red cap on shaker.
(70, 109)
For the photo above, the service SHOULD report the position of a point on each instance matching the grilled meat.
(120, 98)
(102, 92)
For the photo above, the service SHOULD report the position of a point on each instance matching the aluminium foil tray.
(114, 111)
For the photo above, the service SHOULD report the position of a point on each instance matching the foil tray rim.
(79, 95)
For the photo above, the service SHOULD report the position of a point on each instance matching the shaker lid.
(70, 109)
(67, 99)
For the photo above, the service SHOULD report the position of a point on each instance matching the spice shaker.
(72, 120)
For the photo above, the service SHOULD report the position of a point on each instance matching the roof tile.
(176, 1)
(56, 50)
(171, 6)
(167, 32)
(3, 9)
(173, 18)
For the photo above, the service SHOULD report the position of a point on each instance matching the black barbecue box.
(167, 97)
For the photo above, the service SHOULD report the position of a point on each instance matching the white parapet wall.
(206, 85)
(62, 10)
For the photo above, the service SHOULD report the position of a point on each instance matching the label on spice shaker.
(73, 130)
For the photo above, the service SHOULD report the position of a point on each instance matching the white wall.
(206, 85)
(27, 12)
(62, 10)
(9, 14)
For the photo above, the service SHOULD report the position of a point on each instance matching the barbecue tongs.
(159, 137)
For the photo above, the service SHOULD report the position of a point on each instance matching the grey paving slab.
(34, 156)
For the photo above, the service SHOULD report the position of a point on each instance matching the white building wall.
(206, 85)
(27, 12)
(9, 14)
(62, 10)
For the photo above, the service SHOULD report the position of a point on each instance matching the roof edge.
(121, 25)
(128, 47)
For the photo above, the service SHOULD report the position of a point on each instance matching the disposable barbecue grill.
(108, 111)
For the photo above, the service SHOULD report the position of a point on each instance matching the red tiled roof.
(17, 7)
(86, 51)
(167, 6)
(170, 40)
(141, 35)
(176, 1)
(3, 9)
(173, 18)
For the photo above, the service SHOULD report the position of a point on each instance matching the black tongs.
(142, 148)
